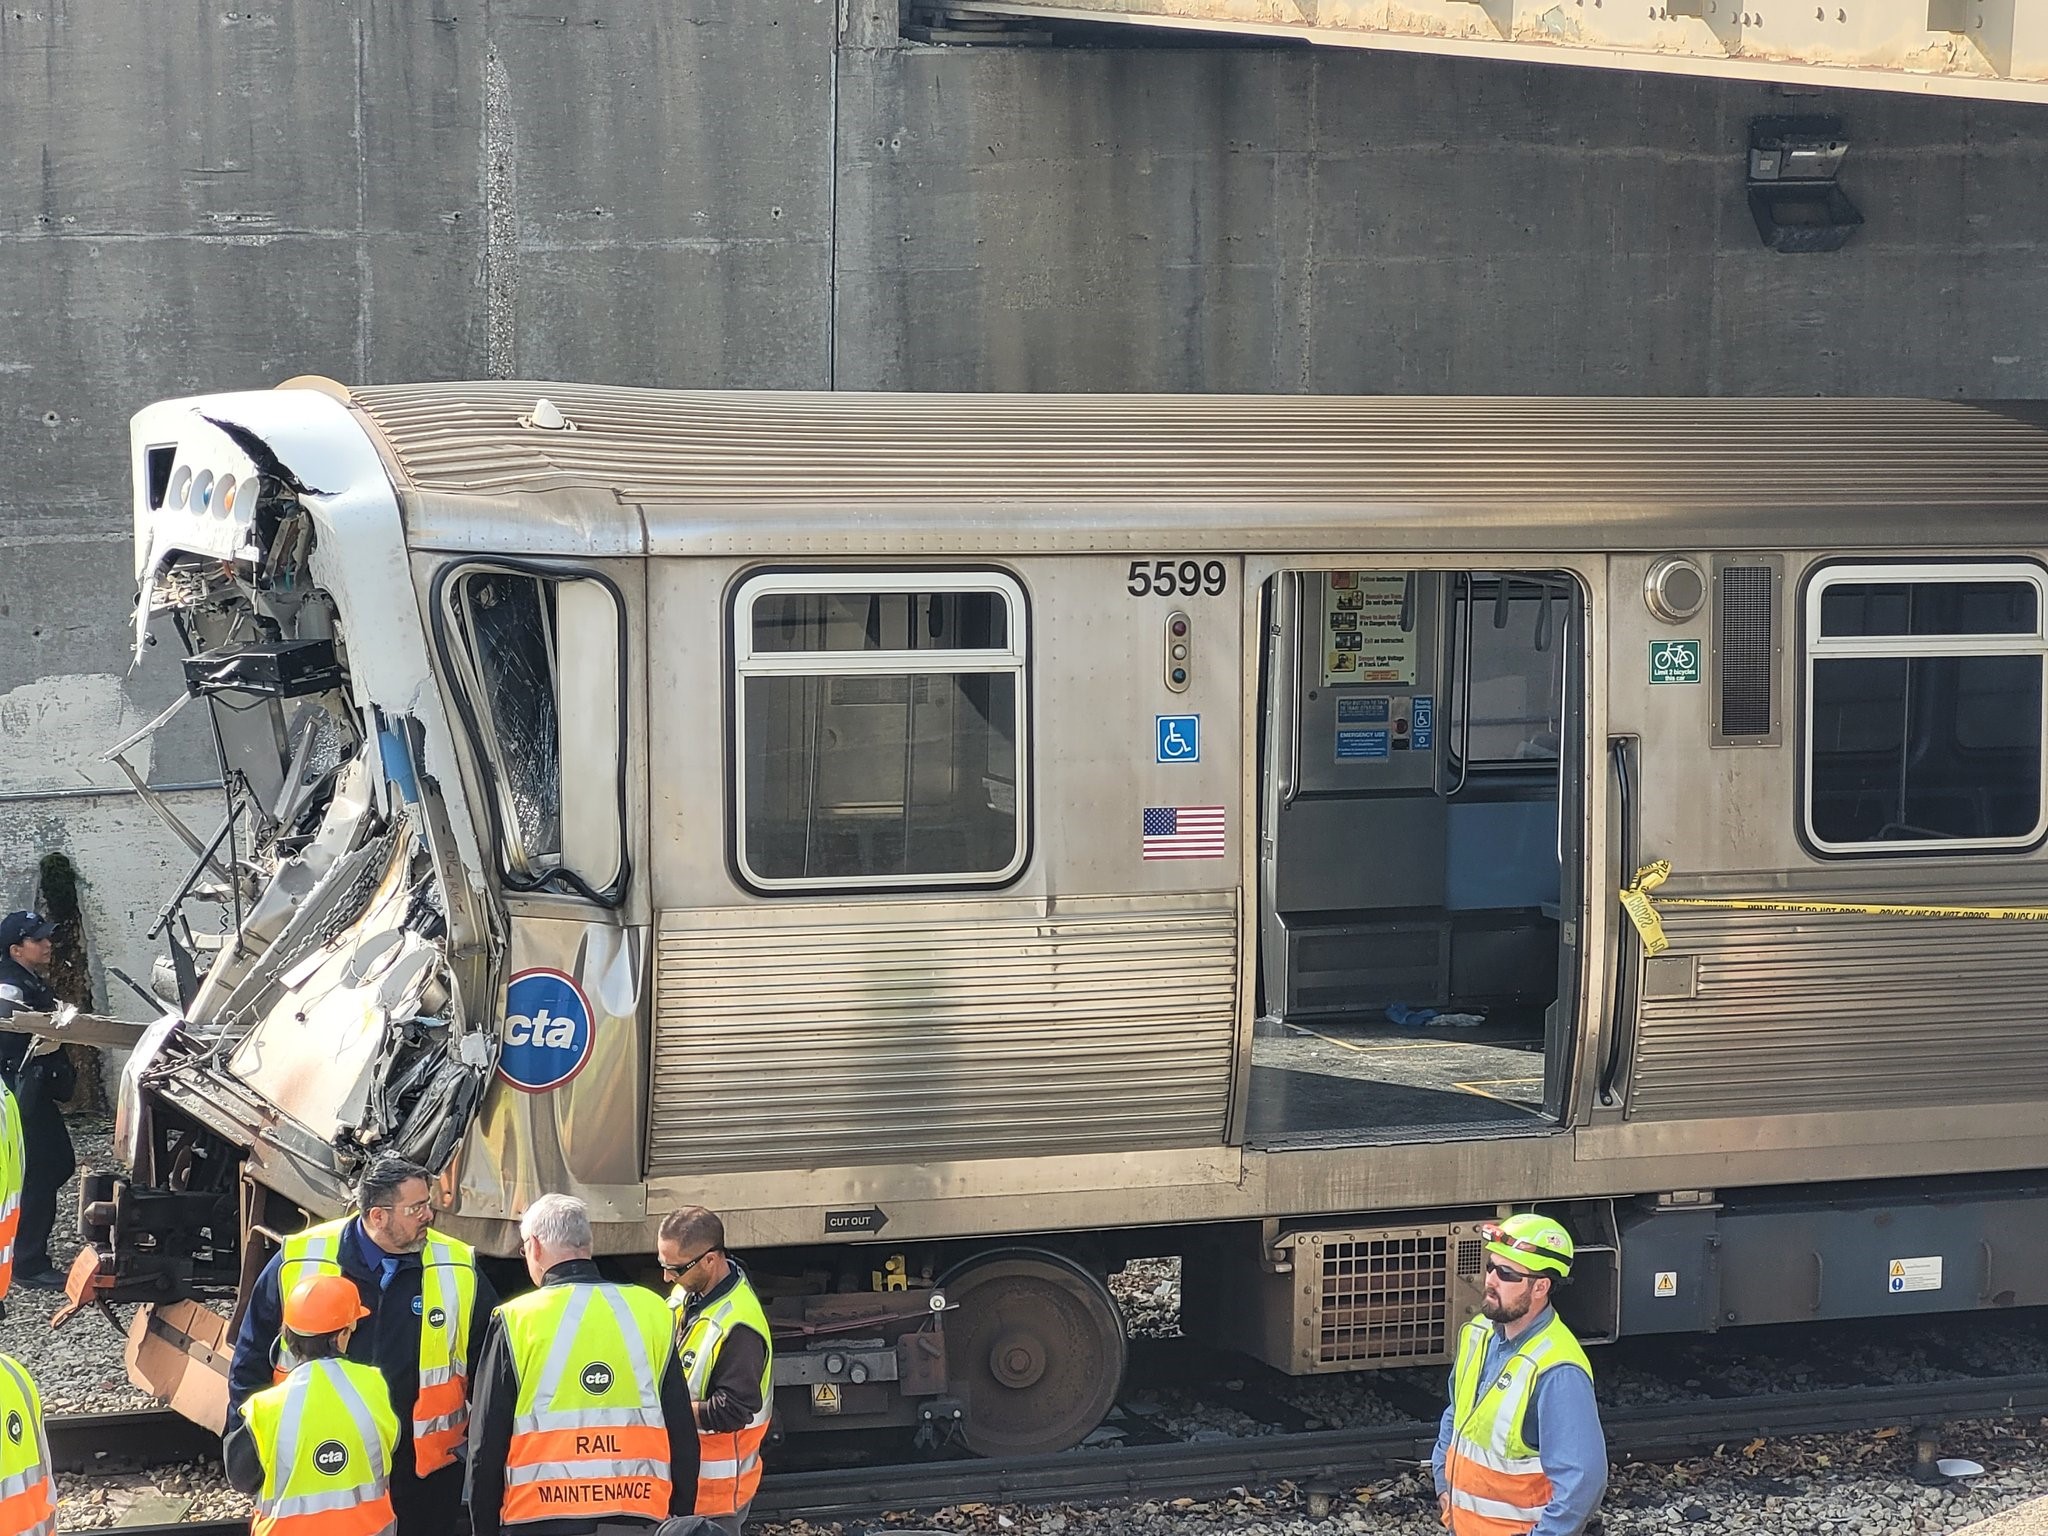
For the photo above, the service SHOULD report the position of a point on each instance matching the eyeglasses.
(1510, 1276)
(411, 1212)
(674, 1272)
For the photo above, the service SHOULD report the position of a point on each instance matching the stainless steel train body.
(919, 825)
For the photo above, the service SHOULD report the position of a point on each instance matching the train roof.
(665, 471)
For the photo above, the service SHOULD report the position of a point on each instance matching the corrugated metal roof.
(723, 463)
(658, 446)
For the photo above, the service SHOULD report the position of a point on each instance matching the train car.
(971, 841)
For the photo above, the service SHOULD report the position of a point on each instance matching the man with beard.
(1520, 1448)
(426, 1307)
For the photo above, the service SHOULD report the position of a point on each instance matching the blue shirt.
(1571, 1447)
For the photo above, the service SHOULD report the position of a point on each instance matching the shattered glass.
(511, 622)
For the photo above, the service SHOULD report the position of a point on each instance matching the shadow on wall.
(70, 974)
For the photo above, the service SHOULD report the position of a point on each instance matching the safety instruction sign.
(1914, 1274)
(1667, 1282)
(1363, 637)
(1674, 661)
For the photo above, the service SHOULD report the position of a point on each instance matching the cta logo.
(597, 1378)
(548, 1031)
(331, 1457)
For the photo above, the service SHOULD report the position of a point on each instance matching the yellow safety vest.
(28, 1495)
(1495, 1477)
(589, 1441)
(13, 1168)
(729, 1465)
(325, 1436)
(440, 1414)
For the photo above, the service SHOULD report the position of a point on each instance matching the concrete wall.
(778, 193)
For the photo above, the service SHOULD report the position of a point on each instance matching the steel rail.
(1658, 1431)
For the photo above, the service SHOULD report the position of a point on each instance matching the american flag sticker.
(1184, 831)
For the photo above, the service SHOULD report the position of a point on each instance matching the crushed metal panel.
(1993, 49)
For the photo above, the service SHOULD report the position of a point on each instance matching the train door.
(1421, 797)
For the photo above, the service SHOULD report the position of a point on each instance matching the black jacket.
(496, 1394)
(40, 1085)
(389, 1338)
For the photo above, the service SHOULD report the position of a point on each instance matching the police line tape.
(1641, 905)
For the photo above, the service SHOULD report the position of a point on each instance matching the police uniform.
(580, 1421)
(424, 1335)
(728, 1351)
(28, 1492)
(39, 1084)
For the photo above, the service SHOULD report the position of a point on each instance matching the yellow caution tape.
(1637, 901)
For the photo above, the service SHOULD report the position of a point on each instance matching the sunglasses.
(1506, 1275)
(676, 1272)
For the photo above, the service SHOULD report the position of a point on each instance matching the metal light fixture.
(1798, 207)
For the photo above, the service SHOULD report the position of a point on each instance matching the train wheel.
(1035, 1350)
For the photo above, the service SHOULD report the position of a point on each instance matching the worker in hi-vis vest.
(315, 1451)
(13, 1168)
(1520, 1449)
(427, 1306)
(723, 1335)
(28, 1490)
(581, 1421)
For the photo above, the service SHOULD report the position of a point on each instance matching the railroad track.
(1658, 1432)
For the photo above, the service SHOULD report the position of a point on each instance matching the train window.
(540, 673)
(1924, 706)
(1507, 694)
(879, 725)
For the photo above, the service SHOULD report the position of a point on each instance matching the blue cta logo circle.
(548, 1033)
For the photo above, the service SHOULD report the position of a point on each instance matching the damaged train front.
(328, 952)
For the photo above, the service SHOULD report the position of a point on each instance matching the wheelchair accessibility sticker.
(1180, 738)
(548, 1031)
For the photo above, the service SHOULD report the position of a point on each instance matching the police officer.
(728, 1352)
(315, 1451)
(1520, 1447)
(427, 1306)
(28, 1491)
(582, 1421)
(40, 1080)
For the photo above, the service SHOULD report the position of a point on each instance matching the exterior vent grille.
(1746, 653)
(1384, 1298)
(1471, 1255)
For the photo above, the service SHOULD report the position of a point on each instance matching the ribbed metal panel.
(928, 1032)
(1827, 1012)
(655, 445)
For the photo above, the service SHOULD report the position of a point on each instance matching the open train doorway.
(1420, 861)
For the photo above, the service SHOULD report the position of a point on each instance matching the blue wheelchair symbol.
(1180, 738)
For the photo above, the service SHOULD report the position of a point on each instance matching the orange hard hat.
(323, 1304)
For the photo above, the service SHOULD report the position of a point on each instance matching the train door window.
(539, 663)
(879, 729)
(1507, 690)
(1924, 720)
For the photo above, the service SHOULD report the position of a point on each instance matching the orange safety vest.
(440, 1410)
(28, 1494)
(1496, 1479)
(13, 1165)
(325, 1438)
(729, 1464)
(588, 1438)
